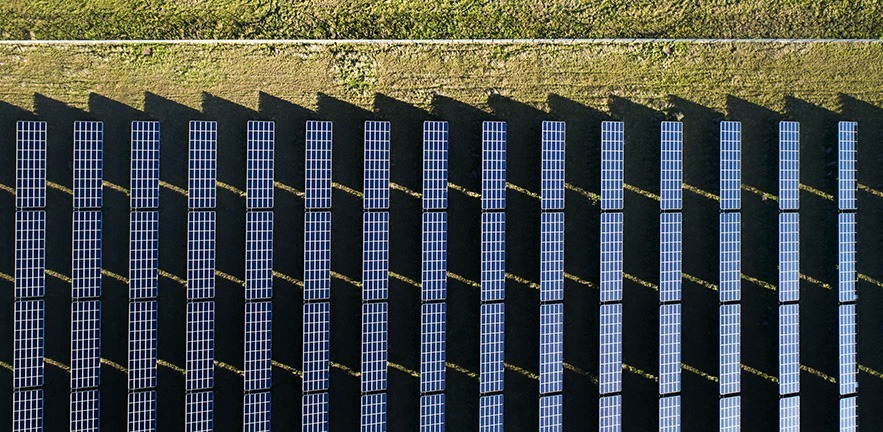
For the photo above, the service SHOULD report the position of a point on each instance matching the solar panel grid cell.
(199, 411)
(846, 178)
(730, 414)
(433, 323)
(88, 164)
(375, 328)
(730, 165)
(374, 412)
(86, 255)
(669, 348)
(611, 257)
(317, 255)
(200, 345)
(789, 257)
(610, 375)
(789, 349)
(435, 165)
(142, 345)
(201, 255)
(493, 256)
(435, 256)
(551, 348)
(27, 410)
(316, 343)
(143, 254)
(730, 349)
(203, 165)
(610, 413)
(318, 165)
(670, 414)
(670, 257)
(84, 411)
(493, 165)
(258, 345)
(671, 161)
(846, 259)
(552, 256)
(612, 147)
(432, 413)
(491, 354)
(789, 414)
(261, 136)
(29, 336)
(848, 323)
(552, 184)
(144, 184)
(30, 254)
(551, 413)
(849, 414)
(85, 344)
(258, 255)
(256, 412)
(789, 165)
(142, 411)
(30, 179)
(730, 267)
(315, 412)
(490, 417)
(376, 165)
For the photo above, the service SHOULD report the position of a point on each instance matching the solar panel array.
(847, 328)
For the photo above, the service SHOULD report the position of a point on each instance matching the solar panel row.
(789, 165)
(847, 133)
(730, 414)
(612, 152)
(261, 137)
(670, 257)
(30, 178)
(611, 257)
(847, 275)
(85, 344)
(730, 165)
(730, 349)
(670, 414)
(671, 164)
(316, 344)
(552, 165)
(88, 164)
(376, 187)
(201, 255)
(144, 185)
(435, 165)
(789, 414)
(493, 165)
(84, 410)
(203, 169)
(256, 411)
(789, 276)
(258, 345)
(789, 257)
(669, 348)
(318, 165)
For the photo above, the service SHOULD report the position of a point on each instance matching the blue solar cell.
(552, 256)
(256, 412)
(258, 345)
(199, 409)
(376, 165)
(200, 346)
(375, 346)
(375, 256)
(84, 411)
(492, 336)
(144, 184)
(730, 165)
(316, 346)
(490, 417)
(551, 348)
(318, 165)
(142, 345)
(789, 414)
(612, 147)
(552, 184)
(259, 186)
(730, 266)
(731, 414)
(142, 411)
(88, 162)
(314, 416)
(789, 165)
(848, 377)
(551, 413)
(85, 344)
(30, 178)
(433, 329)
(317, 255)
(143, 254)
(432, 413)
(202, 193)
(611, 257)
(670, 414)
(86, 251)
(493, 256)
(789, 349)
(846, 257)
(27, 410)
(789, 257)
(610, 375)
(258, 255)
(435, 256)
(373, 417)
(493, 165)
(670, 257)
(435, 165)
(29, 337)
(847, 183)
(730, 343)
(610, 413)
(30, 254)
(849, 414)
(201, 227)
(671, 161)
(669, 348)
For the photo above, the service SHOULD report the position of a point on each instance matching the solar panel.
(552, 256)
(200, 255)
(789, 349)
(256, 412)
(789, 257)
(199, 411)
(670, 414)
(730, 267)
(610, 376)
(432, 413)
(142, 411)
(550, 413)
(846, 258)
(848, 379)
(671, 161)
(201, 192)
(85, 344)
(846, 184)
(375, 348)
(490, 417)
(30, 254)
(849, 414)
(612, 148)
(611, 257)
(30, 178)
(789, 414)
(374, 412)
(730, 414)
(316, 346)
(493, 256)
(144, 185)
(789, 165)
(610, 413)
(552, 183)
(29, 338)
(259, 186)
(86, 265)
(200, 345)
(258, 345)
(143, 254)
(84, 411)
(317, 255)
(375, 256)
(669, 348)
(142, 345)
(730, 349)
(493, 317)
(27, 410)
(88, 161)
(551, 348)
(376, 165)
(435, 256)
(433, 327)
(435, 165)
(730, 165)
(314, 415)
(669, 257)
(258, 255)
(493, 165)
(318, 165)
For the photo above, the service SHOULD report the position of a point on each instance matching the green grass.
(406, 19)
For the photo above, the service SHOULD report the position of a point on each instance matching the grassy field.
(405, 19)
